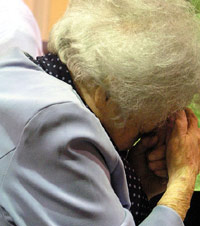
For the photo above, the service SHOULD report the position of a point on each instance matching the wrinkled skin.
(168, 153)
(183, 162)
(183, 148)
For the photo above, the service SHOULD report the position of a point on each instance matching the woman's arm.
(183, 162)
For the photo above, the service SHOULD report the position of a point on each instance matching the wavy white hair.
(145, 53)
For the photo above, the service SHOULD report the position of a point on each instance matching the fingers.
(157, 165)
(192, 120)
(149, 141)
(161, 133)
(159, 168)
(157, 154)
(185, 122)
(161, 173)
(180, 124)
(157, 162)
(170, 126)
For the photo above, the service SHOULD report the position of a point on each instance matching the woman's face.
(124, 137)
(108, 113)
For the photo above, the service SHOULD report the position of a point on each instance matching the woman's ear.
(107, 108)
(100, 98)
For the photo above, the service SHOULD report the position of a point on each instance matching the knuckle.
(151, 157)
(161, 173)
(157, 165)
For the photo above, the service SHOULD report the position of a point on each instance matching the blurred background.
(47, 12)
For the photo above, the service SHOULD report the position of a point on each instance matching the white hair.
(145, 53)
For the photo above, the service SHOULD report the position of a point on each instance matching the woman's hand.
(148, 160)
(156, 157)
(183, 162)
(157, 161)
(183, 148)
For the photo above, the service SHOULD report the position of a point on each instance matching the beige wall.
(47, 12)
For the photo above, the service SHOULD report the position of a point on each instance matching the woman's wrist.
(179, 193)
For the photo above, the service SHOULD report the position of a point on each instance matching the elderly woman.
(132, 67)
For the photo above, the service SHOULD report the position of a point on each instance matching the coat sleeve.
(163, 216)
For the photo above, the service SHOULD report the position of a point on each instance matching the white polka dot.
(58, 59)
(50, 73)
(45, 58)
(136, 213)
(134, 194)
(52, 59)
(129, 185)
(139, 196)
(132, 203)
(56, 76)
(63, 78)
(134, 186)
(46, 70)
(54, 66)
(130, 176)
(138, 204)
(67, 71)
(134, 178)
(48, 65)
(69, 81)
(139, 187)
(60, 68)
